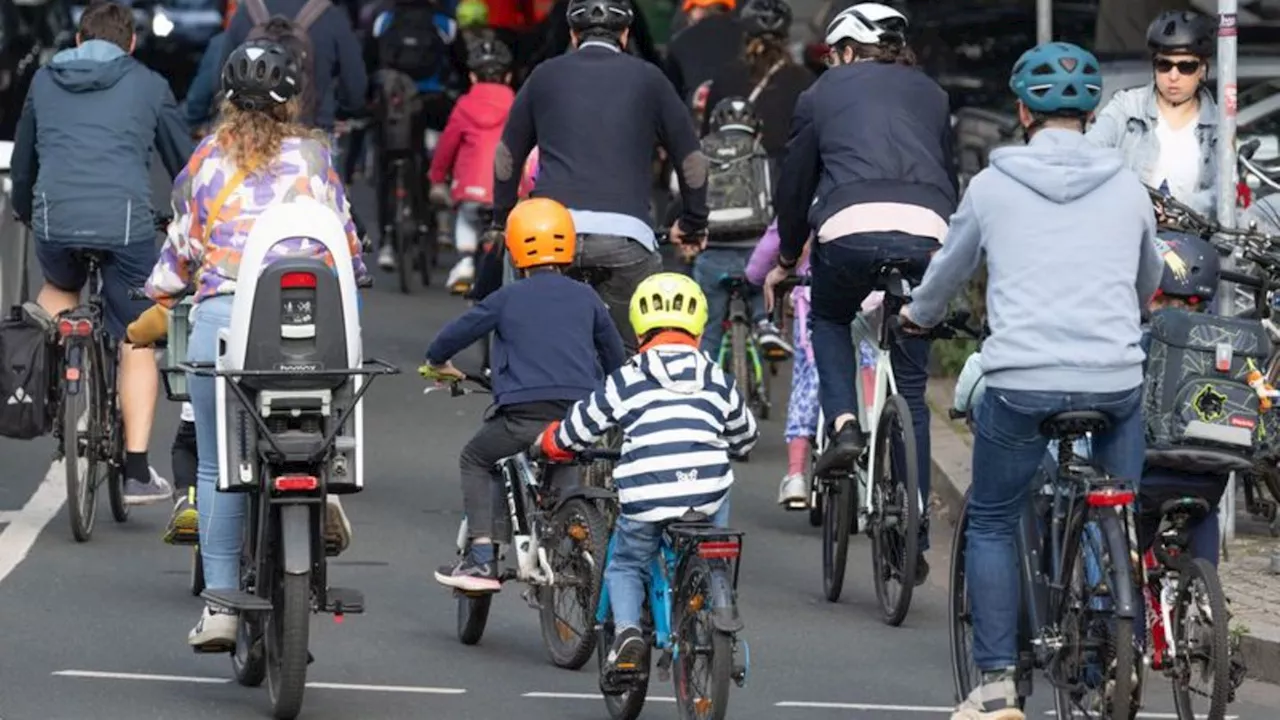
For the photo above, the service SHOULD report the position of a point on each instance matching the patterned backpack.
(739, 184)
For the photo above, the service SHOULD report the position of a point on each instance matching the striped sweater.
(681, 417)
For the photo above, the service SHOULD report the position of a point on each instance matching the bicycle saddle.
(1194, 508)
(693, 516)
(732, 282)
(887, 274)
(1074, 423)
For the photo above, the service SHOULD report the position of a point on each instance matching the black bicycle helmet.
(1183, 31)
(612, 15)
(735, 113)
(261, 74)
(489, 55)
(1192, 269)
(766, 17)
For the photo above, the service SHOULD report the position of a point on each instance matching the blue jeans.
(221, 514)
(712, 265)
(1008, 450)
(841, 281)
(635, 545)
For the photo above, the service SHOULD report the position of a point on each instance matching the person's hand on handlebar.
(908, 325)
(775, 276)
(445, 372)
(689, 244)
(439, 195)
(545, 447)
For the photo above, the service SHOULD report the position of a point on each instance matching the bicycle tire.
(629, 704)
(1192, 570)
(720, 672)
(473, 616)
(287, 633)
(82, 492)
(115, 467)
(817, 498)
(403, 269)
(572, 656)
(837, 523)
(740, 364)
(964, 675)
(906, 489)
(249, 657)
(197, 571)
(766, 390)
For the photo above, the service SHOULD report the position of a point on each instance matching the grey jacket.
(1127, 123)
(81, 162)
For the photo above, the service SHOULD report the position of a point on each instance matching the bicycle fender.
(724, 604)
(587, 493)
(1122, 592)
(295, 538)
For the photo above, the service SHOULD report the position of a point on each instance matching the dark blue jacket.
(863, 133)
(337, 57)
(555, 340)
(201, 103)
(81, 162)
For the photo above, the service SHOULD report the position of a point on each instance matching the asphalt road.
(98, 630)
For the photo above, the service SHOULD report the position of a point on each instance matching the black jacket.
(863, 133)
(698, 52)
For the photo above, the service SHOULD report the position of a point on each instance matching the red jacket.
(470, 140)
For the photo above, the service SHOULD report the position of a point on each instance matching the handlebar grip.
(955, 414)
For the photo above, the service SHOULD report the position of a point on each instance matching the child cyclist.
(553, 335)
(682, 418)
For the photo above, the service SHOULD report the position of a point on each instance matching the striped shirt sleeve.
(740, 429)
(590, 418)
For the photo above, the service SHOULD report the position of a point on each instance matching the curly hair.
(253, 137)
(762, 53)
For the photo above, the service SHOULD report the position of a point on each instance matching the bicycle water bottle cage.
(1074, 424)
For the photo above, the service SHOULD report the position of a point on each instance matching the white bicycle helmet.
(867, 23)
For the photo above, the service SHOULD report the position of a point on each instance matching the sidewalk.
(1253, 591)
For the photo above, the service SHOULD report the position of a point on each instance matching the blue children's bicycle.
(690, 616)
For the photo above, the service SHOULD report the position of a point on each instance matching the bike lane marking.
(25, 525)
(358, 687)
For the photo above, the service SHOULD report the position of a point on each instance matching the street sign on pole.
(1227, 22)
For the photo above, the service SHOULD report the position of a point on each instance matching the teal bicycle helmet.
(1057, 77)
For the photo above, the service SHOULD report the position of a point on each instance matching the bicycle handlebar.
(454, 385)
(581, 457)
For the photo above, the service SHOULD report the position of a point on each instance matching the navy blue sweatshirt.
(555, 340)
(595, 115)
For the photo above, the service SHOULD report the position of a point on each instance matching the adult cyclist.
(594, 114)
(1057, 221)
(868, 167)
(1167, 130)
(712, 40)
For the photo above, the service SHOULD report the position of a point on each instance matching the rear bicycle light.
(292, 280)
(719, 549)
(295, 483)
(75, 328)
(1109, 497)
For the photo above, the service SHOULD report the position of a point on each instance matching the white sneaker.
(216, 629)
(793, 493)
(770, 339)
(387, 258)
(461, 276)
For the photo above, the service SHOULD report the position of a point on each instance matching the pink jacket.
(469, 142)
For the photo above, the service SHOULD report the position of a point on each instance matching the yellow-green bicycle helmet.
(668, 300)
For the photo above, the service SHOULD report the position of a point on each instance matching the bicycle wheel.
(964, 672)
(197, 571)
(740, 364)
(248, 658)
(403, 268)
(576, 547)
(79, 418)
(838, 506)
(115, 466)
(627, 704)
(704, 661)
(1202, 642)
(473, 616)
(287, 632)
(895, 520)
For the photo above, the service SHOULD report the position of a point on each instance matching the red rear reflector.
(719, 549)
(1109, 497)
(75, 328)
(297, 280)
(1243, 422)
(295, 483)
(72, 374)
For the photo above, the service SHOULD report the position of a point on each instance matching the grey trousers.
(629, 263)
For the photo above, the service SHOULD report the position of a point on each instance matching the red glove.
(550, 450)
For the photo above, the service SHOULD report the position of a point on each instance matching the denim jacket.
(1127, 123)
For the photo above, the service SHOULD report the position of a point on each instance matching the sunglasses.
(1185, 67)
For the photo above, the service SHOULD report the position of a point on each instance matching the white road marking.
(25, 525)
(1163, 716)
(102, 675)
(8, 516)
(421, 690)
(587, 696)
(866, 706)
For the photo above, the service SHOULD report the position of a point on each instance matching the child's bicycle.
(690, 617)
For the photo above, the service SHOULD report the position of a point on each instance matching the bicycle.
(738, 346)
(1078, 585)
(415, 249)
(690, 614)
(559, 537)
(816, 504)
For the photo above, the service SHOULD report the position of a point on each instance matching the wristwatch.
(787, 264)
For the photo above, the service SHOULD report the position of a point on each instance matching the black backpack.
(739, 186)
(294, 34)
(413, 43)
(1201, 415)
(27, 370)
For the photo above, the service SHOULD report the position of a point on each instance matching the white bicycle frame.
(532, 565)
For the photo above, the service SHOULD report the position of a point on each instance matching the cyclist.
(1168, 129)
(594, 113)
(1057, 221)
(558, 35)
(81, 178)
(875, 180)
(712, 40)
(257, 133)
(467, 148)
(765, 74)
(682, 418)
(540, 369)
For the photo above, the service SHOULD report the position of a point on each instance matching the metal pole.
(1044, 21)
(1227, 187)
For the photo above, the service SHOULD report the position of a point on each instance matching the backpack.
(27, 371)
(294, 35)
(413, 44)
(395, 102)
(1200, 413)
(739, 184)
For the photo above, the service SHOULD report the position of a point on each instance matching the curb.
(951, 462)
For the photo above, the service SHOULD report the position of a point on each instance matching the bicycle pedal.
(184, 539)
(214, 648)
(531, 597)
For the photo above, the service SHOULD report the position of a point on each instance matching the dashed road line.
(355, 687)
(587, 696)
(25, 525)
(864, 706)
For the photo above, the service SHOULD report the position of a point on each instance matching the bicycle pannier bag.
(27, 370)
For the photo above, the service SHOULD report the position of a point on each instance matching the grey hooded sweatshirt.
(81, 162)
(1069, 238)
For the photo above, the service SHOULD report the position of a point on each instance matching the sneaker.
(793, 493)
(337, 528)
(842, 451)
(155, 490)
(184, 523)
(461, 276)
(922, 570)
(387, 258)
(216, 629)
(995, 699)
(476, 571)
(627, 651)
(771, 341)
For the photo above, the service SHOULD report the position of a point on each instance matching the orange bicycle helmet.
(540, 232)
(691, 4)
